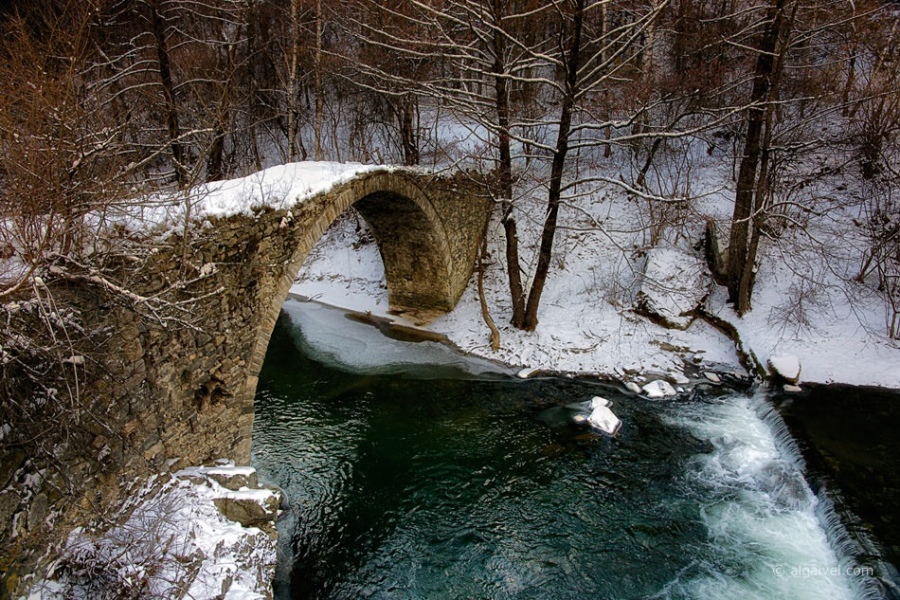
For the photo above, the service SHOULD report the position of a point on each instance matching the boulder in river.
(659, 389)
(602, 418)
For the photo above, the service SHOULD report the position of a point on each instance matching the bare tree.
(560, 55)
(185, 61)
(796, 88)
(750, 195)
(66, 167)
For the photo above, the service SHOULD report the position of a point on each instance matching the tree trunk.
(214, 162)
(406, 111)
(293, 61)
(158, 29)
(501, 90)
(253, 108)
(571, 61)
(743, 243)
(485, 312)
(320, 93)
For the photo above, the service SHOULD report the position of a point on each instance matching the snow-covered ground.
(172, 540)
(805, 304)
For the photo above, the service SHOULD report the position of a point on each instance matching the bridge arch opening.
(411, 237)
(417, 263)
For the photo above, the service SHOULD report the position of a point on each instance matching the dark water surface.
(410, 480)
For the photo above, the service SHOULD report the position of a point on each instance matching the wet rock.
(248, 511)
(712, 377)
(602, 418)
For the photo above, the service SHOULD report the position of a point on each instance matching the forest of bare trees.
(107, 101)
(103, 96)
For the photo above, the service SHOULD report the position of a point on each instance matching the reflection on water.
(407, 483)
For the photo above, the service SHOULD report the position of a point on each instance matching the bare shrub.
(880, 224)
(129, 558)
(804, 299)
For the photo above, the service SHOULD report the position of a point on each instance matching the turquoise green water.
(417, 481)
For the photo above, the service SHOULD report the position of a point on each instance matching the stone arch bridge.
(191, 390)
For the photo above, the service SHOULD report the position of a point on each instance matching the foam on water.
(760, 512)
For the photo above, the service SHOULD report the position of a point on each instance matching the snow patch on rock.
(633, 387)
(674, 284)
(659, 388)
(786, 366)
(602, 418)
(171, 540)
(678, 378)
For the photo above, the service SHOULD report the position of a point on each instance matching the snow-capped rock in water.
(673, 286)
(659, 389)
(786, 366)
(598, 401)
(633, 387)
(602, 417)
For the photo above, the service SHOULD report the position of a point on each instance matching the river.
(413, 472)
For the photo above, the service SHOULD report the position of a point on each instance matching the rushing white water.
(761, 514)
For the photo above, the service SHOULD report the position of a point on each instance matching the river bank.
(589, 324)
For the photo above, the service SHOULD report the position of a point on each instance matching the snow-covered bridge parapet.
(203, 381)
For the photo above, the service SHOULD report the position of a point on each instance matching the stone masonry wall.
(203, 381)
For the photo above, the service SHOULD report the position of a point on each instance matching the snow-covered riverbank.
(587, 319)
(806, 303)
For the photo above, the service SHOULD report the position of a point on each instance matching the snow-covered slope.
(803, 305)
(173, 540)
